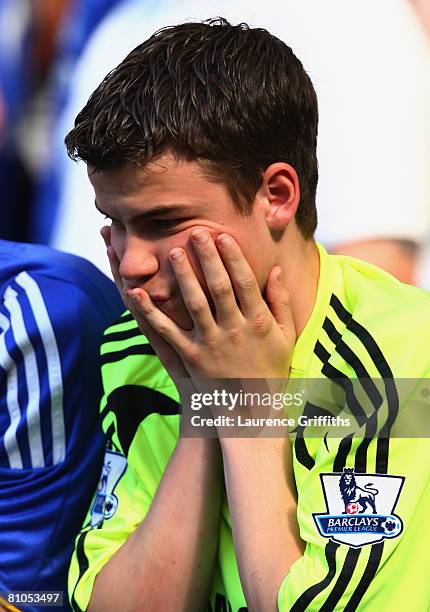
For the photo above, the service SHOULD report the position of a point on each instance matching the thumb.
(278, 300)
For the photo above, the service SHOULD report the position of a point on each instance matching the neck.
(301, 269)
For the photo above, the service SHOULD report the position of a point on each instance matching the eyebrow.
(160, 210)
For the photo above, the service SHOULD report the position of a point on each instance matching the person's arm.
(265, 531)
(167, 563)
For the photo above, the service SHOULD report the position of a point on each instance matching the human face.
(157, 208)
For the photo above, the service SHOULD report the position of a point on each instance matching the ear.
(282, 191)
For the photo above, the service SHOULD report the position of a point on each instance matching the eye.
(165, 224)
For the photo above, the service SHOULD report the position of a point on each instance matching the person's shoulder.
(53, 268)
(133, 376)
(395, 315)
(140, 405)
(130, 366)
(68, 288)
(365, 283)
(41, 259)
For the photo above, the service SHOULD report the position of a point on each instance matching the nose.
(138, 263)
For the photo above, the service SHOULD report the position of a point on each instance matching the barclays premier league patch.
(106, 502)
(360, 508)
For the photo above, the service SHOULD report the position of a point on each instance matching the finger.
(216, 276)
(192, 293)
(242, 277)
(278, 301)
(168, 356)
(142, 304)
(165, 352)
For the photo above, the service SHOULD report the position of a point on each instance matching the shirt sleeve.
(49, 395)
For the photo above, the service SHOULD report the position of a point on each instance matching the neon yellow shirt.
(366, 541)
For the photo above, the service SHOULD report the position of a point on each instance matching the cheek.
(259, 264)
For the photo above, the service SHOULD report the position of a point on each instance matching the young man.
(201, 148)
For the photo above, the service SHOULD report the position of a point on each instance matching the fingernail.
(200, 236)
(177, 255)
(279, 275)
(225, 240)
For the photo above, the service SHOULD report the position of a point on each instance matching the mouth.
(160, 299)
(174, 307)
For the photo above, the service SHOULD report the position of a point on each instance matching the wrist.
(201, 449)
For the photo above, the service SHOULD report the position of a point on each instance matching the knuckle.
(196, 308)
(286, 301)
(260, 322)
(162, 329)
(207, 255)
(235, 254)
(247, 283)
(235, 335)
(221, 291)
(193, 356)
(213, 343)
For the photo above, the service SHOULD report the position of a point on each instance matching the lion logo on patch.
(356, 499)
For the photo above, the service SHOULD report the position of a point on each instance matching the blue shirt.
(53, 310)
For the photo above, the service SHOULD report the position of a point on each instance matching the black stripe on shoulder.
(126, 317)
(131, 404)
(341, 379)
(83, 567)
(309, 595)
(344, 315)
(137, 349)
(364, 335)
(122, 335)
(353, 360)
(369, 573)
(343, 349)
(361, 456)
(382, 452)
(342, 453)
(109, 434)
(373, 394)
(342, 581)
(322, 353)
(302, 454)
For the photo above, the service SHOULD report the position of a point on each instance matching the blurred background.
(370, 64)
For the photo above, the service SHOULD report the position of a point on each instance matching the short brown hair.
(235, 98)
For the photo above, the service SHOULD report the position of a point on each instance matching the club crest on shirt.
(106, 503)
(359, 507)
